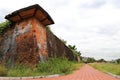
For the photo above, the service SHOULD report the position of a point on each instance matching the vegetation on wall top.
(4, 26)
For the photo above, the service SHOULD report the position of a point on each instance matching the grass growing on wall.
(107, 67)
(51, 66)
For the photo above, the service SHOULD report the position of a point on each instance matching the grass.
(3, 70)
(107, 67)
(51, 66)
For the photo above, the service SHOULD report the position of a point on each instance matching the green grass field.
(107, 67)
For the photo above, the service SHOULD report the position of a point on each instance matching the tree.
(76, 53)
(91, 60)
(118, 61)
(101, 60)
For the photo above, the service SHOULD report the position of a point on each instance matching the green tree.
(118, 61)
(101, 60)
(91, 60)
(76, 53)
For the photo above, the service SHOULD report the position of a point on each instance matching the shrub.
(55, 66)
(4, 26)
(118, 61)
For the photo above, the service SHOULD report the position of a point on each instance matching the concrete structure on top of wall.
(29, 41)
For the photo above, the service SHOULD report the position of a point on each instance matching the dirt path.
(85, 73)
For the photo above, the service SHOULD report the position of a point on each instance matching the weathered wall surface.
(57, 48)
(27, 50)
(19, 44)
(25, 44)
(39, 31)
(30, 42)
(5, 42)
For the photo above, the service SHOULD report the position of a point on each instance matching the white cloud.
(92, 25)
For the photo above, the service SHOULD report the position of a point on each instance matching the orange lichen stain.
(39, 32)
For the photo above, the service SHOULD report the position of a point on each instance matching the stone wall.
(5, 42)
(57, 48)
(27, 49)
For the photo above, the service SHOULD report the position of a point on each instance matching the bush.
(4, 26)
(118, 61)
(55, 66)
(3, 70)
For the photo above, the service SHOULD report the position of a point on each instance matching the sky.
(92, 25)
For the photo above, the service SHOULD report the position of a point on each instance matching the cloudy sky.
(92, 25)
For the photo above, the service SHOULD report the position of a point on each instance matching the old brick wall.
(30, 42)
(57, 48)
